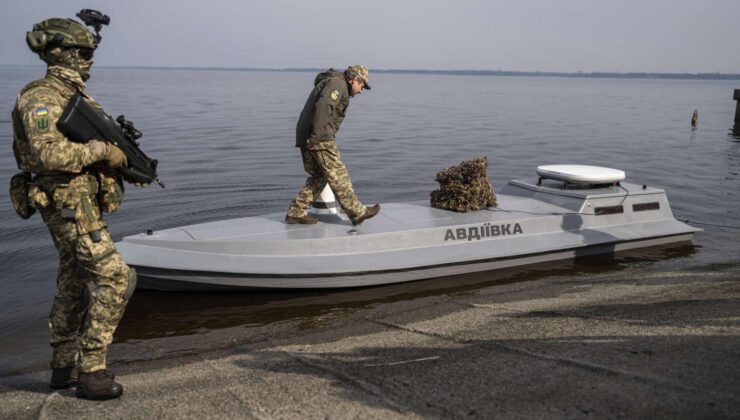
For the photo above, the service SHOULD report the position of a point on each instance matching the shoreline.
(186, 322)
(635, 342)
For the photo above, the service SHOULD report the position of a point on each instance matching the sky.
(661, 36)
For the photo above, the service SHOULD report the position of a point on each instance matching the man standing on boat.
(71, 184)
(316, 136)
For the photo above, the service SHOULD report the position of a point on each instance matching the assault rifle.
(81, 123)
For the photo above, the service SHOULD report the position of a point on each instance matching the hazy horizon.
(481, 72)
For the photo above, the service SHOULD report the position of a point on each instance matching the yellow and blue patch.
(41, 116)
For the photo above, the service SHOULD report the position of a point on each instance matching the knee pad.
(131, 286)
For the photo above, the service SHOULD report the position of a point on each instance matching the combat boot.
(304, 220)
(62, 378)
(369, 212)
(98, 385)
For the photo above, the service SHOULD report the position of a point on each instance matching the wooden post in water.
(736, 97)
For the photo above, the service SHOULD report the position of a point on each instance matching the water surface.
(225, 144)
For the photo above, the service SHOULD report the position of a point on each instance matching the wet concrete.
(637, 342)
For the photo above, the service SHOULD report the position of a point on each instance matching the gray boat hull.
(406, 241)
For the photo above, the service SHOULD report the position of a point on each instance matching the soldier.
(72, 184)
(315, 135)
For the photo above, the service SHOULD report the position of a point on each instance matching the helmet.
(66, 33)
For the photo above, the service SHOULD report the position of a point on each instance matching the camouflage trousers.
(92, 292)
(325, 166)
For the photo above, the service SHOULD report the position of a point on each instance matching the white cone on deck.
(325, 204)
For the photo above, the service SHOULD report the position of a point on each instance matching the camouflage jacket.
(324, 110)
(38, 146)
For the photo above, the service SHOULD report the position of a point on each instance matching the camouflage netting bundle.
(464, 187)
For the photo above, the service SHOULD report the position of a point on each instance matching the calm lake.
(225, 139)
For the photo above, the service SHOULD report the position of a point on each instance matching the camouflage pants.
(325, 166)
(91, 294)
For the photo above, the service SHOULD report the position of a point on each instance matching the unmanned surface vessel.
(569, 211)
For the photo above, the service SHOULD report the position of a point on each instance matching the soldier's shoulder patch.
(334, 95)
(41, 116)
(43, 124)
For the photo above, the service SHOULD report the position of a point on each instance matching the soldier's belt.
(62, 177)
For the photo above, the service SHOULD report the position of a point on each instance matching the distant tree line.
(611, 75)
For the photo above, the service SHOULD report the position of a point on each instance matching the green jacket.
(324, 110)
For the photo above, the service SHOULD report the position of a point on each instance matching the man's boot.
(369, 212)
(98, 385)
(62, 378)
(304, 220)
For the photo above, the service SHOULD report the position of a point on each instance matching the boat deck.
(407, 241)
